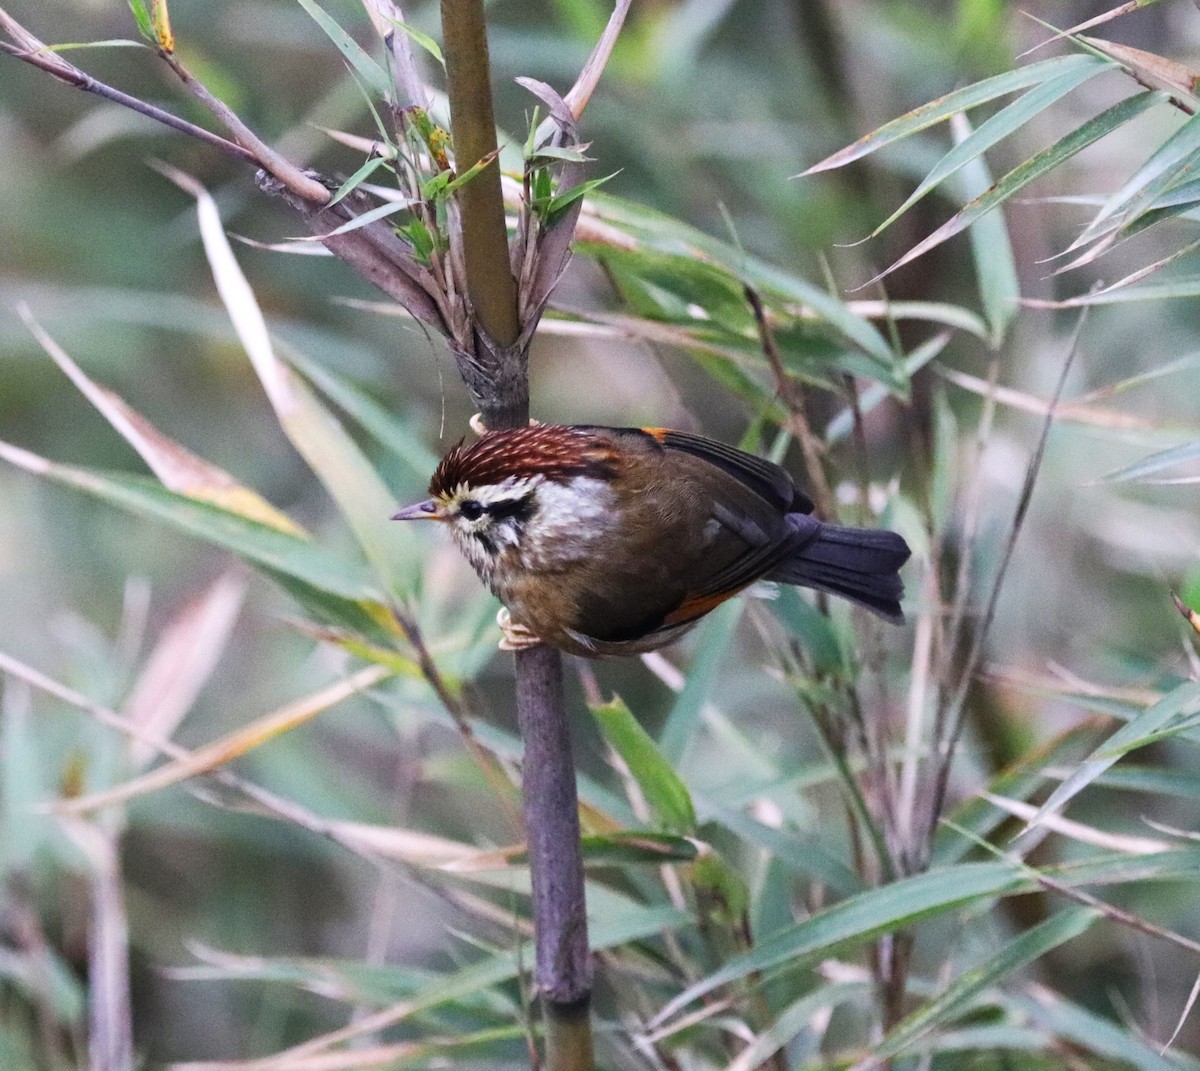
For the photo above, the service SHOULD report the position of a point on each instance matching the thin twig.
(494, 770)
(73, 76)
(970, 524)
(296, 180)
(793, 401)
(944, 747)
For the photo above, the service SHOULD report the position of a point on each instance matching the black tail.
(859, 564)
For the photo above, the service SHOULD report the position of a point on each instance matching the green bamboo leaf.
(841, 425)
(1180, 702)
(988, 1041)
(141, 15)
(1155, 463)
(991, 249)
(389, 208)
(934, 312)
(716, 632)
(687, 245)
(1005, 122)
(421, 39)
(960, 100)
(478, 979)
(861, 918)
(1135, 277)
(375, 76)
(560, 201)
(1070, 1023)
(373, 164)
(795, 1019)
(1174, 159)
(960, 995)
(666, 795)
(632, 847)
(979, 818)
(260, 544)
(556, 152)
(373, 418)
(799, 851)
(779, 284)
(1151, 781)
(1021, 176)
(1178, 288)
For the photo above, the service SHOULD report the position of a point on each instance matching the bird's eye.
(470, 509)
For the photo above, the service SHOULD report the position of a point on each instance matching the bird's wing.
(746, 568)
(763, 477)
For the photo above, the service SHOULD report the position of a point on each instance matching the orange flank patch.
(690, 609)
(658, 433)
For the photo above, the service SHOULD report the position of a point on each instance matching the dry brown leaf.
(232, 746)
(177, 468)
(182, 660)
(1152, 70)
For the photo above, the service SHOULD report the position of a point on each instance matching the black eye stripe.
(518, 509)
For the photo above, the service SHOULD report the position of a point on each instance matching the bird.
(610, 541)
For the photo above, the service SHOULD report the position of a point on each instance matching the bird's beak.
(429, 510)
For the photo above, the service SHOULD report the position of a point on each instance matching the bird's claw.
(516, 637)
(477, 425)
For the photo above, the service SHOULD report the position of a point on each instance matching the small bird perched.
(614, 541)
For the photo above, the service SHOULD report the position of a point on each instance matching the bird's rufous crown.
(551, 450)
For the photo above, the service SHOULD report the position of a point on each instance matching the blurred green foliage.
(248, 934)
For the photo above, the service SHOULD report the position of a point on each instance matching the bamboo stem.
(548, 772)
(490, 282)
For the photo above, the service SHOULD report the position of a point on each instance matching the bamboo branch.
(58, 68)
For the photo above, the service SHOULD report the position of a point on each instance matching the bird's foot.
(516, 637)
(477, 425)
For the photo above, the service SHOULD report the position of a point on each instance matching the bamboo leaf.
(372, 164)
(1177, 288)
(716, 631)
(794, 1020)
(287, 554)
(375, 76)
(1151, 69)
(382, 211)
(859, 919)
(369, 414)
(330, 452)
(1093, 1033)
(1181, 701)
(141, 15)
(1034, 168)
(179, 469)
(960, 995)
(1155, 463)
(942, 108)
(1174, 159)
(211, 756)
(421, 39)
(991, 248)
(667, 796)
(1009, 119)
